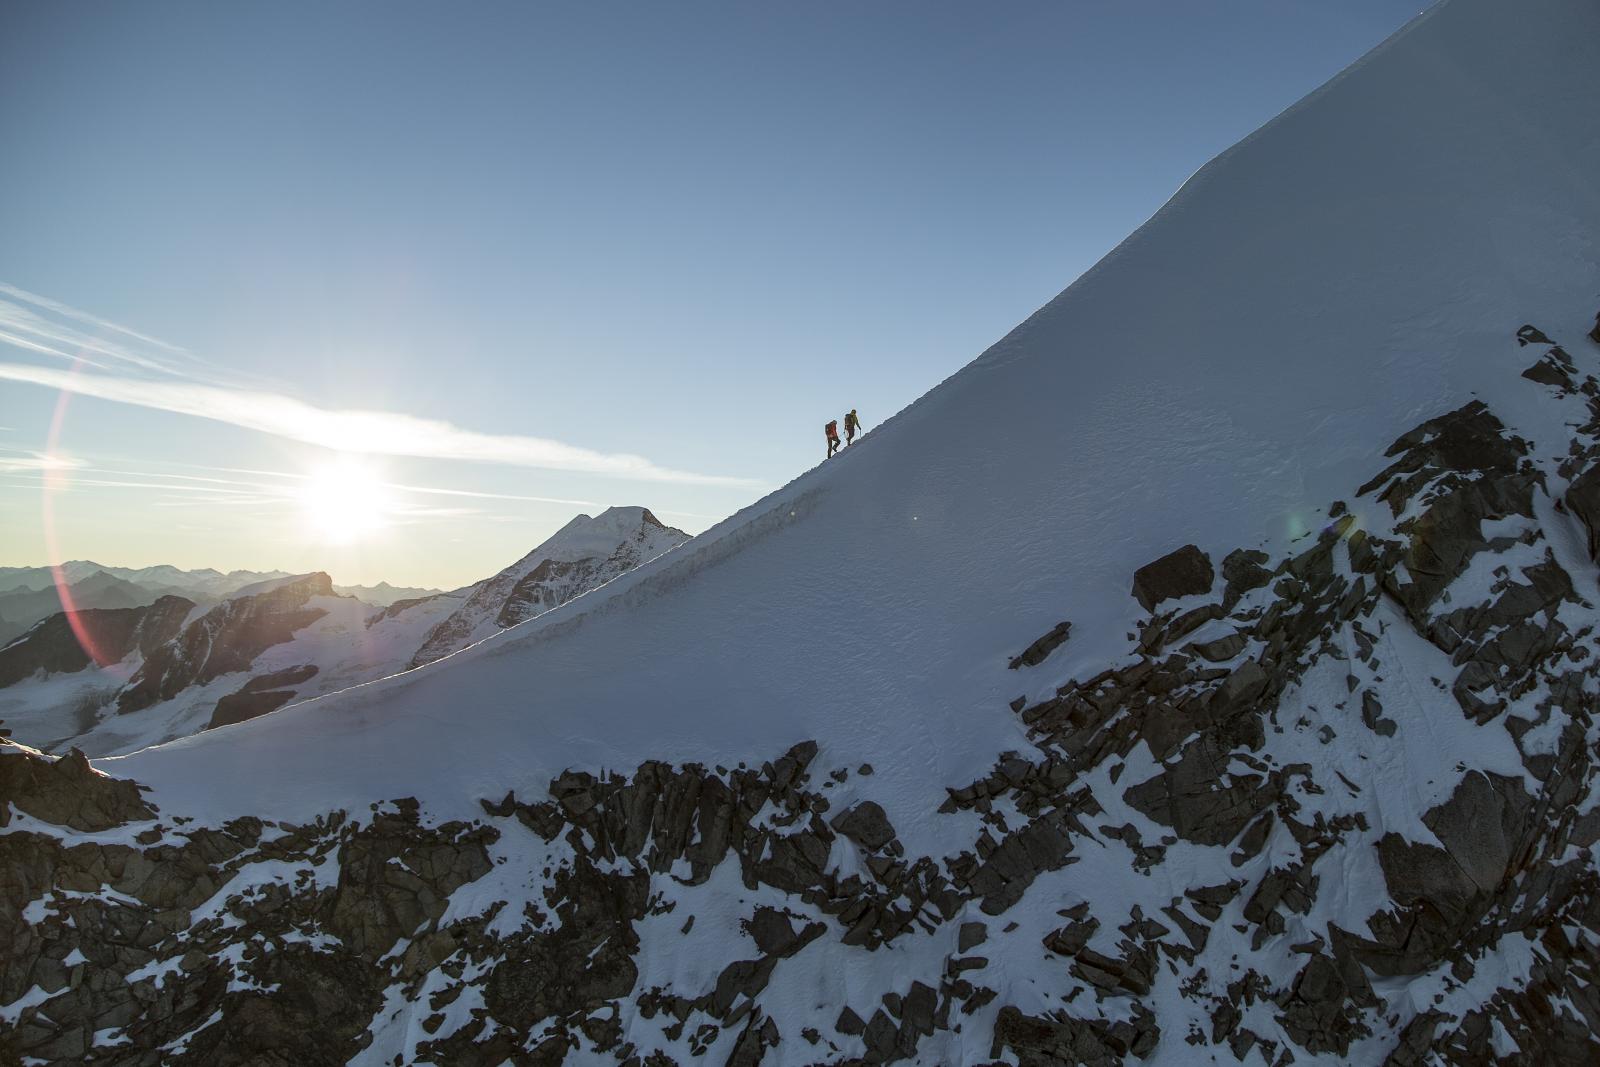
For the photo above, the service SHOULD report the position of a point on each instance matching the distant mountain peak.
(585, 553)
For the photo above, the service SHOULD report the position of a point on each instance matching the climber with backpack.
(852, 426)
(832, 430)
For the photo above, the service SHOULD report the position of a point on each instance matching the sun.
(345, 501)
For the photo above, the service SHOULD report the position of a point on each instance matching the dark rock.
(1244, 569)
(1037, 1041)
(1035, 653)
(1254, 840)
(1222, 649)
(1547, 370)
(1189, 795)
(324, 1019)
(66, 791)
(918, 1008)
(1317, 1013)
(289, 676)
(1583, 500)
(1482, 826)
(1070, 939)
(578, 965)
(775, 936)
(1182, 573)
(1241, 689)
(1372, 715)
(245, 705)
(881, 1036)
(865, 824)
(395, 875)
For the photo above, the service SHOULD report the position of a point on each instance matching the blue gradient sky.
(691, 233)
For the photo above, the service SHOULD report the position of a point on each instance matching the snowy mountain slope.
(273, 641)
(281, 638)
(780, 796)
(383, 594)
(584, 554)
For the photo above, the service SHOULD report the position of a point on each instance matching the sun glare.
(345, 501)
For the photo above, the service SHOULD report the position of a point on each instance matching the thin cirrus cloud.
(13, 462)
(131, 368)
(29, 470)
(51, 328)
(371, 432)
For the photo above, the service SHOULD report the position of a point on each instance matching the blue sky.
(690, 233)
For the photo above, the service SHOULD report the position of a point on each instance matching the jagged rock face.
(1181, 843)
(54, 646)
(225, 639)
(584, 555)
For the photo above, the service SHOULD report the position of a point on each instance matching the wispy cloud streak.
(132, 368)
(369, 432)
(34, 462)
(67, 311)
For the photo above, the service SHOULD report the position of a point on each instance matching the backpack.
(833, 429)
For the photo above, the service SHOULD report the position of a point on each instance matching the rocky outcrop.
(112, 938)
(67, 642)
(1182, 573)
(65, 791)
(225, 639)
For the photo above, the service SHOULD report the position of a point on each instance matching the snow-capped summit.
(584, 554)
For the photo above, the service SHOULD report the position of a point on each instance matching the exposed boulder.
(866, 825)
(1184, 572)
(1244, 569)
(1035, 653)
(1532, 335)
